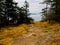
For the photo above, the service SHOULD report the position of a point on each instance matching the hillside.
(39, 33)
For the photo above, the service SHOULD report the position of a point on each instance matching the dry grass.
(48, 26)
(8, 34)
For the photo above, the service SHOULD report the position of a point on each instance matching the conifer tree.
(54, 11)
(26, 13)
(11, 11)
(2, 13)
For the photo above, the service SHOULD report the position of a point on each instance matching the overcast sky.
(34, 7)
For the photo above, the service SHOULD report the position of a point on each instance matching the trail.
(36, 37)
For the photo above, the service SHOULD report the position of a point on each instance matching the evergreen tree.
(54, 11)
(24, 13)
(11, 14)
(2, 13)
(11, 11)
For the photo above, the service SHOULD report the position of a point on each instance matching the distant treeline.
(11, 14)
(51, 13)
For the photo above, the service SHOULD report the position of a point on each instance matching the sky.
(34, 7)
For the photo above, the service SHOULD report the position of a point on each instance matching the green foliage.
(52, 13)
(24, 13)
(10, 13)
(2, 9)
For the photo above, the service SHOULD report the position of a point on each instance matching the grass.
(47, 26)
(8, 34)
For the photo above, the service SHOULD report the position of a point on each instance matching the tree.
(24, 13)
(2, 13)
(54, 10)
(45, 11)
(11, 11)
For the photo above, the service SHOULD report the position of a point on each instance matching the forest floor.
(39, 33)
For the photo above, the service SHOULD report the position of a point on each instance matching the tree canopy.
(52, 13)
(10, 13)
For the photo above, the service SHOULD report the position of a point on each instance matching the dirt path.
(37, 37)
